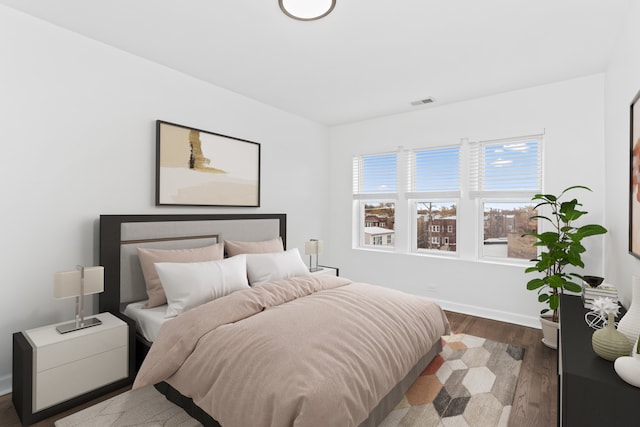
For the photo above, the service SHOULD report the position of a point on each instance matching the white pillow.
(263, 268)
(190, 284)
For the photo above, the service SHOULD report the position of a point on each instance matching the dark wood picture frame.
(634, 177)
(195, 167)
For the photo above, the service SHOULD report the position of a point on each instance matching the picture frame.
(195, 167)
(634, 177)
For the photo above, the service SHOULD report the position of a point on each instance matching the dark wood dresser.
(590, 392)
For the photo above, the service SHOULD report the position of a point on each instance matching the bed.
(175, 359)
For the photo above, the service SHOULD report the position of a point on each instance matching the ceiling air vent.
(422, 102)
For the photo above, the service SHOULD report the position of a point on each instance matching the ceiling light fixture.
(307, 10)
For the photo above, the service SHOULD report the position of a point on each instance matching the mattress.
(148, 320)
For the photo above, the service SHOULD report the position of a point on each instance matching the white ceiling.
(368, 58)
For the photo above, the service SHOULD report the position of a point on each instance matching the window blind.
(434, 172)
(506, 168)
(375, 176)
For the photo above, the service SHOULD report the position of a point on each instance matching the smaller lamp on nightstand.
(78, 283)
(313, 247)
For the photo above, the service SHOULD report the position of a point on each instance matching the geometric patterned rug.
(471, 383)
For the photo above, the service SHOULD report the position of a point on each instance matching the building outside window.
(379, 220)
(436, 221)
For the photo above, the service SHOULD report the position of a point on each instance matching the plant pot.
(549, 332)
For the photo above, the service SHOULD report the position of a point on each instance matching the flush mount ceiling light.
(307, 10)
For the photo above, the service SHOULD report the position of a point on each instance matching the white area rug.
(143, 407)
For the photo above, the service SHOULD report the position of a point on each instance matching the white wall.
(622, 84)
(571, 115)
(77, 139)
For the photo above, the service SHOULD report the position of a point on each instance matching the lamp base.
(76, 326)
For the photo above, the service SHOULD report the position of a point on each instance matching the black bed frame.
(110, 226)
(109, 300)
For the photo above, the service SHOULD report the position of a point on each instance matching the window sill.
(453, 256)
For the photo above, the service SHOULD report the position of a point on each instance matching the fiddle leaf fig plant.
(561, 247)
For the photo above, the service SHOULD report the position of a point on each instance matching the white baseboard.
(5, 385)
(502, 316)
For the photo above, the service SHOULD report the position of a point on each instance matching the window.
(375, 192)
(490, 183)
(506, 174)
(434, 186)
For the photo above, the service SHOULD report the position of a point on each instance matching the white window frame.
(483, 195)
(362, 195)
(449, 194)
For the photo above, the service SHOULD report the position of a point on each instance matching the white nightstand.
(334, 271)
(53, 370)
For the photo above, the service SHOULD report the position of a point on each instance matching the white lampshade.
(313, 247)
(67, 284)
(307, 10)
(78, 283)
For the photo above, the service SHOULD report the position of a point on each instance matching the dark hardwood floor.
(535, 403)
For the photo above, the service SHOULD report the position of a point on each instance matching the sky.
(511, 165)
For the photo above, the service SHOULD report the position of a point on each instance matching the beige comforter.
(308, 351)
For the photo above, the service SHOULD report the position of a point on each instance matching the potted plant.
(561, 247)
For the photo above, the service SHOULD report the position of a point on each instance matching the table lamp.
(313, 247)
(78, 283)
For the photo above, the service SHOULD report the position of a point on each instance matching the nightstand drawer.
(80, 347)
(71, 364)
(54, 372)
(63, 382)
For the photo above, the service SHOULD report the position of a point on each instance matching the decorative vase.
(610, 344)
(628, 367)
(629, 325)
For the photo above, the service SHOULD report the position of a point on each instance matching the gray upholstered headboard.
(121, 235)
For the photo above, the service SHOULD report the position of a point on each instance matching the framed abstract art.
(200, 168)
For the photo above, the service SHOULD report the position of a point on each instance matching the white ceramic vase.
(630, 322)
(628, 367)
